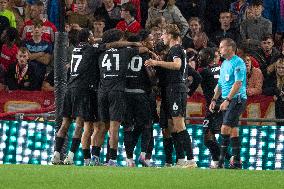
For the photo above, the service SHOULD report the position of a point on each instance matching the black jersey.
(137, 77)
(84, 70)
(176, 77)
(210, 76)
(113, 65)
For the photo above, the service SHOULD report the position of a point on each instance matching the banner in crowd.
(13, 101)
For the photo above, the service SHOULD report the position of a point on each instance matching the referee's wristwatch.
(228, 100)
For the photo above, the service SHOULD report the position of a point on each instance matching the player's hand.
(212, 106)
(151, 62)
(224, 105)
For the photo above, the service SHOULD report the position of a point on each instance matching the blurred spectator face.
(249, 13)
(22, 57)
(283, 48)
(159, 3)
(267, 45)
(257, 10)
(225, 19)
(217, 57)
(3, 4)
(280, 67)
(149, 42)
(200, 40)
(166, 38)
(98, 26)
(194, 26)
(108, 3)
(163, 22)
(37, 31)
(67, 27)
(248, 63)
(81, 6)
(35, 11)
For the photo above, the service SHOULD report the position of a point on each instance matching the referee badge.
(175, 106)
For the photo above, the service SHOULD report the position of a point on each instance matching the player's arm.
(120, 44)
(217, 93)
(175, 65)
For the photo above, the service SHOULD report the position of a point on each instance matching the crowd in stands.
(27, 36)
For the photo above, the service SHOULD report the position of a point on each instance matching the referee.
(232, 88)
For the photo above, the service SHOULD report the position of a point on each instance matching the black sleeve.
(10, 78)
(269, 87)
(196, 80)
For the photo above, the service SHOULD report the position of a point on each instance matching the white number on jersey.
(108, 64)
(136, 64)
(75, 59)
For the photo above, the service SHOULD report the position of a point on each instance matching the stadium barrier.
(23, 142)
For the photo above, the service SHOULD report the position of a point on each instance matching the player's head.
(206, 56)
(112, 35)
(22, 56)
(147, 39)
(84, 35)
(98, 24)
(172, 33)
(227, 47)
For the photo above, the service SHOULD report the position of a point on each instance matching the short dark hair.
(73, 37)
(99, 19)
(256, 3)
(144, 34)
(38, 3)
(129, 7)
(84, 35)
(37, 23)
(173, 30)
(266, 37)
(112, 35)
(209, 52)
(231, 43)
(23, 50)
(12, 34)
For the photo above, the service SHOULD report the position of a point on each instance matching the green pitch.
(68, 177)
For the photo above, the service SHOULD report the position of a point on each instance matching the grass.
(78, 177)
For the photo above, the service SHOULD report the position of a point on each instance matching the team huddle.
(114, 83)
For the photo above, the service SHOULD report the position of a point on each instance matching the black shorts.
(232, 114)
(138, 109)
(80, 103)
(111, 106)
(213, 120)
(176, 103)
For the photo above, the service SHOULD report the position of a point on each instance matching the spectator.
(167, 9)
(4, 24)
(195, 27)
(238, 10)
(79, 16)
(212, 13)
(274, 86)
(110, 12)
(48, 83)
(254, 78)
(136, 4)
(21, 74)
(41, 51)
(9, 48)
(37, 13)
(226, 30)
(253, 29)
(18, 8)
(98, 28)
(128, 23)
(7, 13)
(268, 55)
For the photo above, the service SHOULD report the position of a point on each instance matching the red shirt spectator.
(133, 27)
(49, 30)
(136, 3)
(8, 55)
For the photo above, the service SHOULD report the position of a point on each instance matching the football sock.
(179, 141)
(146, 138)
(187, 145)
(128, 143)
(96, 151)
(236, 148)
(86, 153)
(113, 154)
(168, 148)
(150, 148)
(75, 144)
(224, 148)
(59, 141)
(214, 149)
